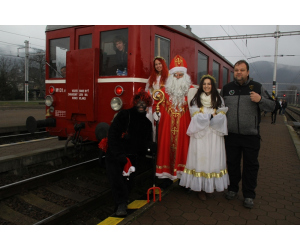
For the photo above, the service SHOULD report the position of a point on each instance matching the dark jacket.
(243, 115)
(121, 59)
(284, 105)
(129, 134)
(277, 106)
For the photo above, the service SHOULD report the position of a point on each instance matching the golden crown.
(160, 57)
(208, 76)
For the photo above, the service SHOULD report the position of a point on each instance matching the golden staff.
(159, 97)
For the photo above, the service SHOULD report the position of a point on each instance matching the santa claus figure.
(174, 119)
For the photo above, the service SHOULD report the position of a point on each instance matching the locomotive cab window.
(85, 41)
(225, 76)
(113, 52)
(162, 48)
(202, 65)
(216, 72)
(58, 50)
(231, 76)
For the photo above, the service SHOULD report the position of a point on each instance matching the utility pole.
(26, 90)
(274, 90)
(26, 69)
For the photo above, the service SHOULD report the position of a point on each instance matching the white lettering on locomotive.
(82, 93)
(60, 113)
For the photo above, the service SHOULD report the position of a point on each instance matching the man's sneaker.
(248, 203)
(231, 195)
(122, 210)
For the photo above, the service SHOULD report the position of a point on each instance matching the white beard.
(177, 89)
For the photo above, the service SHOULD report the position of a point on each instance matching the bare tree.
(37, 71)
(36, 76)
(9, 78)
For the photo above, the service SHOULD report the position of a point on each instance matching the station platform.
(14, 120)
(16, 117)
(277, 194)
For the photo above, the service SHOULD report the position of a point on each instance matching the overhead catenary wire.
(22, 35)
(19, 45)
(242, 52)
(259, 75)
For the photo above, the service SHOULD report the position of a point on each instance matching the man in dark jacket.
(274, 113)
(245, 100)
(284, 106)
(129, 136)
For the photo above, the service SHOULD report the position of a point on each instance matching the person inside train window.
(58, 56)
(63, 71)
(121, 55)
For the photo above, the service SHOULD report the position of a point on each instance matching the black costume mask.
(141, 106)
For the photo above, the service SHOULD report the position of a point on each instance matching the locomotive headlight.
(116, 103)
(48, 100)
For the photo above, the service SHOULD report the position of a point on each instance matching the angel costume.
(206, 161)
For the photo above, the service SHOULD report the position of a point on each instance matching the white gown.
(206, 161)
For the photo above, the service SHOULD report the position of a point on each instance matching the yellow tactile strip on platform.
(116, 220)
(111, 221)
(137, 204)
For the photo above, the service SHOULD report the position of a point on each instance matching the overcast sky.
(255, 18)
(12, 37)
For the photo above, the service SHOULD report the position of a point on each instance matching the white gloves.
(155, 117)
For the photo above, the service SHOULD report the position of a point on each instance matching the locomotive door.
(80, 84)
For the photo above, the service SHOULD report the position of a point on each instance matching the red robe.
(173, 142)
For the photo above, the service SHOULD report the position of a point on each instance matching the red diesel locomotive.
(93, 71)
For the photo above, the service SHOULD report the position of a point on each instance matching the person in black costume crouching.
(129, 136)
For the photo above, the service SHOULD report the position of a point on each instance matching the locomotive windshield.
(58, 50)
(113, 52)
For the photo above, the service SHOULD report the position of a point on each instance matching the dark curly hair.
(143, 96)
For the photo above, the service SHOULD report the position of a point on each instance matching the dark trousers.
(120, 184)
(274, 114)
(246, 146)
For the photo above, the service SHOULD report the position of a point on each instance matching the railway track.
(293, 114)
(11, 139)
(78, 194)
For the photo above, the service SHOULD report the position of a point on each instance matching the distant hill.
(262, 71)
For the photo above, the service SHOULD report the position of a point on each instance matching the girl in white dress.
(205, 169)
(158, 77)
